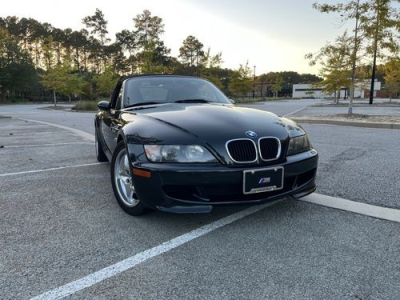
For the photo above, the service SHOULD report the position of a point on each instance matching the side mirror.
(232, 101)
(103, 105)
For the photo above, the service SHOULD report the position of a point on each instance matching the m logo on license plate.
(265, 180)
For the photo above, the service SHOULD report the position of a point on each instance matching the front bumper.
(197, 188)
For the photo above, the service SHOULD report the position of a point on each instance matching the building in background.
(310, 91)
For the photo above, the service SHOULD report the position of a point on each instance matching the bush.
(86, 105)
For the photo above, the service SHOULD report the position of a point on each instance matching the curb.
(349, 123)
(357, 105)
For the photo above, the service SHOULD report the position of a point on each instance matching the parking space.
(24, 159)
(63, 223)
(68, 224)
(360, 164)
(291, 250)
(34, 146)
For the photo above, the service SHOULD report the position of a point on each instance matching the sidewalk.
(379, 115)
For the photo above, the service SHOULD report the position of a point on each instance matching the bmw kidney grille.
(245, 150)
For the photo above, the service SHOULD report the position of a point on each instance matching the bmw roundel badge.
(251, 134)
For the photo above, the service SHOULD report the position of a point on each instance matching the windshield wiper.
(144, 103)
(192, 101)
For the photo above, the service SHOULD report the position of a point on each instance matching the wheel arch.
(120, 137)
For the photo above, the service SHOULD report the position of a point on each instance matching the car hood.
(216, 121)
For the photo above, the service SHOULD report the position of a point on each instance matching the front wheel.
(121, 180)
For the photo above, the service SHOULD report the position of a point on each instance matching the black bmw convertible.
(178, 144)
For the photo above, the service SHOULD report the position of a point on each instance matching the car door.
(111, 122)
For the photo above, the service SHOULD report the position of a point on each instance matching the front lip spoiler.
(208, 208)
(198, 209)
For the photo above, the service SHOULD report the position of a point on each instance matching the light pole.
(353, 63)
(254, 82)
(371, 91)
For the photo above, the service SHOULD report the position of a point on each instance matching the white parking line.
(296, 111)
(384, 213)
(46, 145)
(51, 169)
(141, 257)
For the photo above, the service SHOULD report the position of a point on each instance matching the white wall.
(304, 90)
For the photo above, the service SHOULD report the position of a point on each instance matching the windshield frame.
(221, 98)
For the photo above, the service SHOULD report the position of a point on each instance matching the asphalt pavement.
(283, 107)
(60, 222)
(360, 164)
(290, 251)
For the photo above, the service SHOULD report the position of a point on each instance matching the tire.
(100, 155)
(121, 181)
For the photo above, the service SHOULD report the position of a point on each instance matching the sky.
(271, 35)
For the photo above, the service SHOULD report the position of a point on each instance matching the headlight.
(298, 144)
(178, 153)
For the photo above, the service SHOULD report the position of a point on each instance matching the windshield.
(160, 89)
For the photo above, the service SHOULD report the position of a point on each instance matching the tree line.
(40, 62)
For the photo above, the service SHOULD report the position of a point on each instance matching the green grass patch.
(86, 105)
